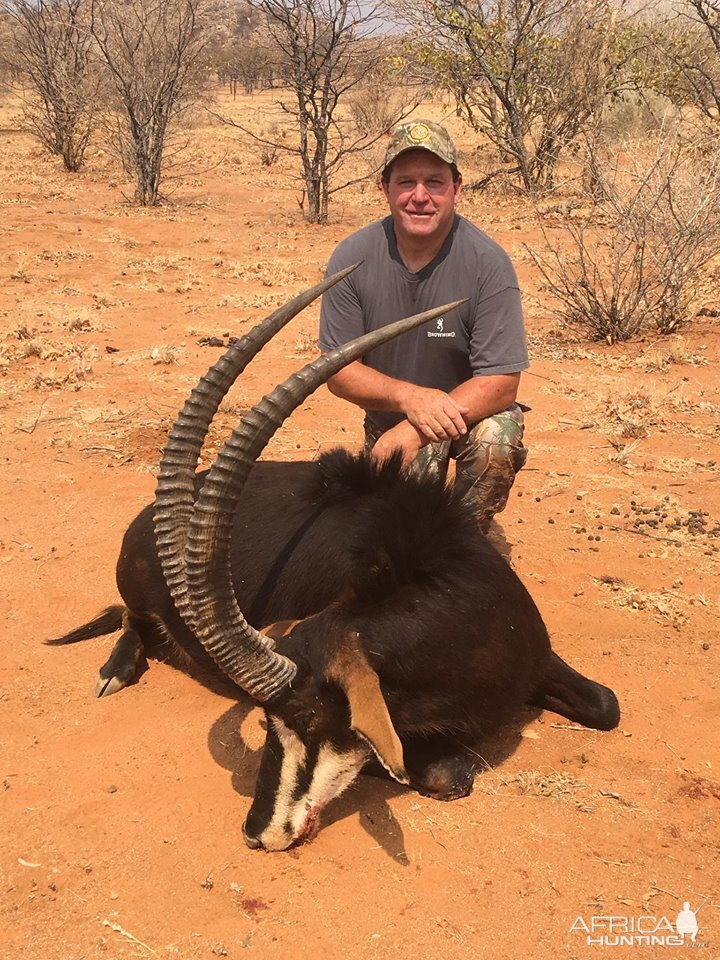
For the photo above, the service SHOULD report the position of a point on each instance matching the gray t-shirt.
(485, 336)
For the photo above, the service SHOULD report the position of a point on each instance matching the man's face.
(421, 195)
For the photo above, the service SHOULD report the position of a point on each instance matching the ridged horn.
(175, 494)
(242, 652)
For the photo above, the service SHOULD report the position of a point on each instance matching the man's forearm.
(480, 397)
(430, 415)
(369, 388)
(486, 396)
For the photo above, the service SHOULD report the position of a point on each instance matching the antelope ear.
(369, 715)
(279, 629)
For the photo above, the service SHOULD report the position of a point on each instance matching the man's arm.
(430, 415)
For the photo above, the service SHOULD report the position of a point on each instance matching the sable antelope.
(396, 627)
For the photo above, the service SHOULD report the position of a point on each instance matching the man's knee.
(489, 458)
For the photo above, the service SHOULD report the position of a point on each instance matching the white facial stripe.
(290, 741)
(294, 755)
(332, 774)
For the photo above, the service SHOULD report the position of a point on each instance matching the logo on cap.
(418, 132)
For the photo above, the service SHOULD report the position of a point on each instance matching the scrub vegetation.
(604, 116)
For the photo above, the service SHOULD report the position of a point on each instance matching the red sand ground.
(121, 818)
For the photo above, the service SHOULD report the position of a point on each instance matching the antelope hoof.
(122, 667)
(106, 686)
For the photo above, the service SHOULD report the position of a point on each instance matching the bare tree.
(528, 74)
(691, 44)
(328, 49)
(153, 52)
(248, 63)
(236, 49)
(638, 259)
(54, 51)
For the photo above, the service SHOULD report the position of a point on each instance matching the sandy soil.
(121, 817)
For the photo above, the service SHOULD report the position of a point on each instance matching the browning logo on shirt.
(440, 332)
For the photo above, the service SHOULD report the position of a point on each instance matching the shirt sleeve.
(497, 339)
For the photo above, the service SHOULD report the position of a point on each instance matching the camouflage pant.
(486, 459)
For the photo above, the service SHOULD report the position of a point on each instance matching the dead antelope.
(397, 629)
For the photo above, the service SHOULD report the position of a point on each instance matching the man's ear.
(369, 716)
(458, 186)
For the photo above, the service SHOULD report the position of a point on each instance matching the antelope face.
(311, 756)
(321, 731)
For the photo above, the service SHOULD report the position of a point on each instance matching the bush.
(54, 56)
(638, 259)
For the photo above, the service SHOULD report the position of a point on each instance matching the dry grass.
(20, 271)
(118, 239)
(665, 606)
(553, 785)
(679, 466)
(165, 354)
(562, 344)
(27, 345)
(158, 265)
(79, 324)
(305, 345)
(631, 416)
(270, 273)
(66, 255)
(33, 348)
(622, 452)
(255, 301)
(673, 352)
(53, 380)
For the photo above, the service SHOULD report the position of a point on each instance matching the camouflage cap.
(421, 135)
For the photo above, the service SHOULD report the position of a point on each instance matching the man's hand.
(403, 437)
(434, 414)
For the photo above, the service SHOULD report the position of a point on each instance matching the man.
(448, 388)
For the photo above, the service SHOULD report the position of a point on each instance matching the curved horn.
(175, 494)
(242, 652)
